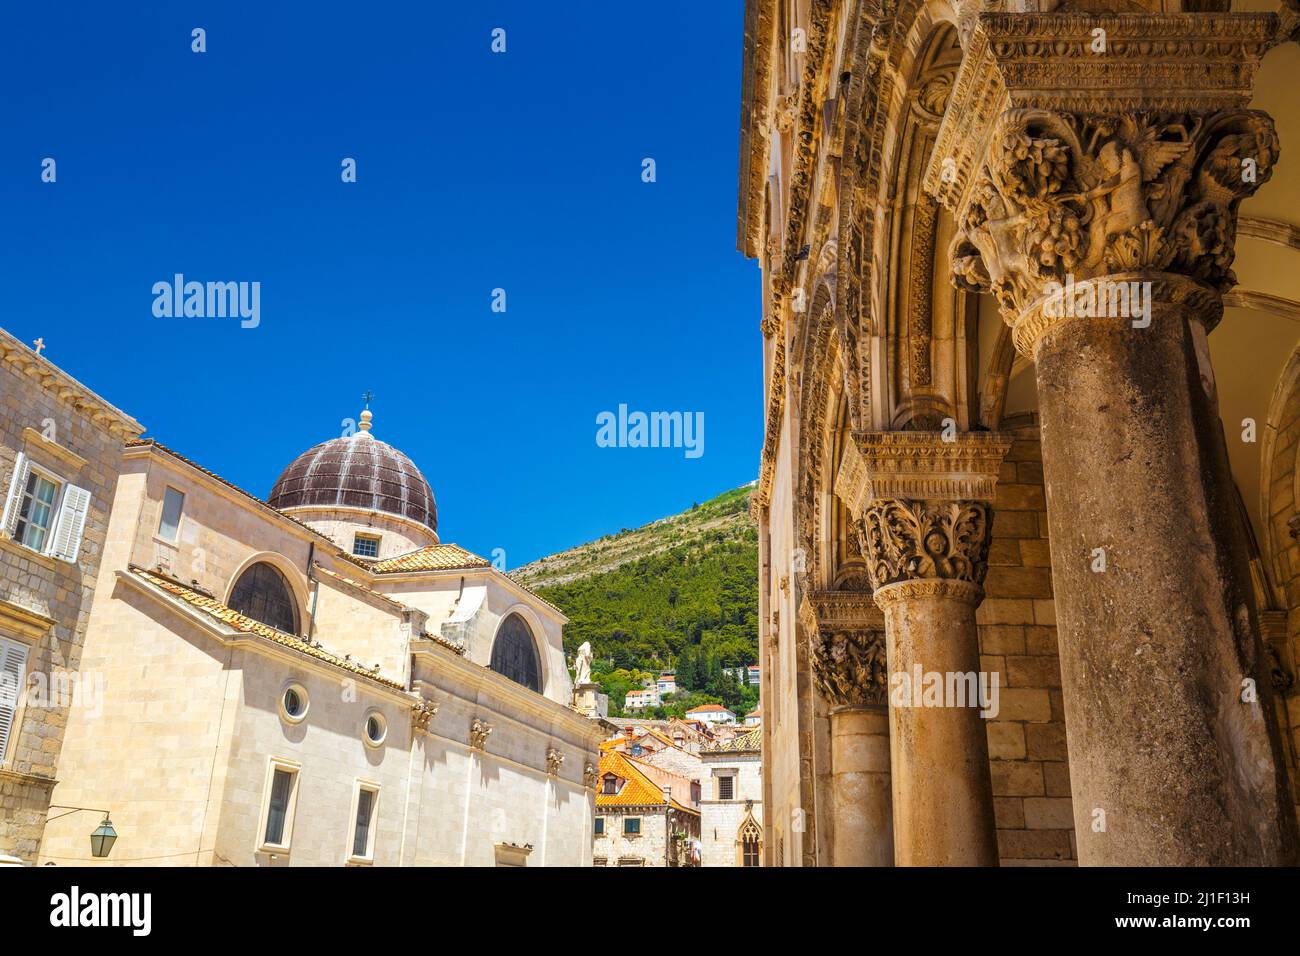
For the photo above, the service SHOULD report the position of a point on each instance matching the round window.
(293, 704)
(376, 728)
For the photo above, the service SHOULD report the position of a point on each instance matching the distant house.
(711, 714)
(754, 717)
(667, 684)
(745, 675)
(641, 699)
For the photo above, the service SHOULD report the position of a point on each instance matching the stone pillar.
(922, 508)
(1102, 215)
(849, 668)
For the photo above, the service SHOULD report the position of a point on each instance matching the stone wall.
(650, 848)
(1017, 632)
(37, 399)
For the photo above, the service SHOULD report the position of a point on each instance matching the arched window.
(263, 594)
(750, 840)
(515, 654)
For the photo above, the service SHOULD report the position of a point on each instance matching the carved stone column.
(922, 507)
(849, 668)
(1096, 197)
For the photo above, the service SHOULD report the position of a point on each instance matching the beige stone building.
(1029, 580)
(311, 680)
(646, 815)
(731, 804)
(60, 448)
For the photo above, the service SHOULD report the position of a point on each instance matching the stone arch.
(823, 386)
(293, 581)
(901, 69)
(1280, 483)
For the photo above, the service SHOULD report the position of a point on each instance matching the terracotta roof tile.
(749, 742)
(638, 791)
(240, 622)
(437, 557)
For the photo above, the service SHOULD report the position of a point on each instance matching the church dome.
(358, 471)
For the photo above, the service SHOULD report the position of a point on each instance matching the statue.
(582, 665)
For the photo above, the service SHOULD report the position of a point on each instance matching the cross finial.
(39, 344)
(364, 424)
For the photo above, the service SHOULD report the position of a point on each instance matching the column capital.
(1078, 147)
(847, 647)
(1091, 63)
(927, 541)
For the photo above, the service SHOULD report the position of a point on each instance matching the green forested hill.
(677, 594)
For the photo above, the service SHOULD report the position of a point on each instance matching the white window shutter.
(22, 465)
(13, 663)
(71, 523)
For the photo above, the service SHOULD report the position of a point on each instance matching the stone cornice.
(919, 465)
(66, 389)
(760, 15)
(1153, 62)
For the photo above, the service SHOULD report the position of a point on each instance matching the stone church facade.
(313, 679)
(1032, 399)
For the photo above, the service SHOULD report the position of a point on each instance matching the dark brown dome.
(356, 472)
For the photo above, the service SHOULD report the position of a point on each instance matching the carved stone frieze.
(913, 540)
(589, 775)
(1067, 197)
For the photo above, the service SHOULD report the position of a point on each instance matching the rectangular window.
(363, 831)
(600, 826)
(726, 788)
(173, 503)
(279, 806)
(632, 826)
(13, 672)
(365, 546)
(36, 511)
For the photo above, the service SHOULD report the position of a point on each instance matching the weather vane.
(368, 396)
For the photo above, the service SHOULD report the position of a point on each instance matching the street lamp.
(102, 839)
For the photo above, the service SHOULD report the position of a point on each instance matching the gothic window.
(514, 654)
(749, 839)
(263, 594)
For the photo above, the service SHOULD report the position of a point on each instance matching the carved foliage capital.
(849, 667)
(479, 731)
(923, 540)
(422, 715)
(554, 760)
(1063, 197)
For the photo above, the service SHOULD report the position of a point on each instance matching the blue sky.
(475, 171)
